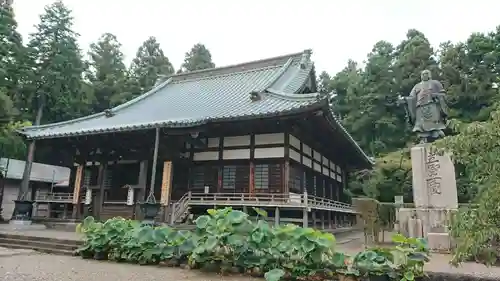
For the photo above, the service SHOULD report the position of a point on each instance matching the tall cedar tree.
(107, 72)
(150, 65)
(57, 66)
(12, 73)
(197, 58)
(11, 70)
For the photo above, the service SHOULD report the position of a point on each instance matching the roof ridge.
(238, 64)
(293, 97)
(226, 74)
(99, 114)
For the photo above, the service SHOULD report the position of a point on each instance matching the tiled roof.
(199, 97)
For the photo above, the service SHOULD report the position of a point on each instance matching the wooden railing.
(325, 203)
(269, 200)
(179, 207)
(59, 197)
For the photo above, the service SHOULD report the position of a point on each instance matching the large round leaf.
(235, 240)
(236, 217)
(202, 221)
(257, 236)
(274, 275)
(211, 243)
(307, 246)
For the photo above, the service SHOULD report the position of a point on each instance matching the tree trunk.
(25, 182)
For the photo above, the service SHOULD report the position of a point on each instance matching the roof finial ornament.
(109, 113)
(306, 58)
(255, 96)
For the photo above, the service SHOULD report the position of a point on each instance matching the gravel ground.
(21, 265)
(42, 267)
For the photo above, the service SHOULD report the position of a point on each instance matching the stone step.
(38, 249)
(40, 244)
(49, 240)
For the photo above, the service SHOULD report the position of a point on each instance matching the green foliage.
(107, 72)
(197, 58)
(12, 144)
(227, 241)
(150, 65)
(55, 81)
(365, 102)
(391, 176)
(476, 151)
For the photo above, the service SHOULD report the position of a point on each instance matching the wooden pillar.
(100, 183)
(143, 180)
(305, 217)
(140, 192)
(76, 191)
(221, 167)
(286, 165)
(155, 161)
(315, 222)
(276, 216)
(330, 220)
(251, 176)
(305, 211)
(322, 219)
(166, 188)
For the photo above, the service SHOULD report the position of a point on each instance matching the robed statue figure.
(426, 108)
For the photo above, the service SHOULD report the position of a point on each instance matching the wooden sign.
(166, 183)
(78, 184)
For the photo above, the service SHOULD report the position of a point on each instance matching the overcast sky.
(243, 30)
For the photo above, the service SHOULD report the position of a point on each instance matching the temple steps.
(39, 244)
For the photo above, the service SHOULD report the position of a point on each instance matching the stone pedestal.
(415, 228)
(435, 198)
(439, 242)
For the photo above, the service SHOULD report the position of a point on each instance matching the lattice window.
(310, 183)
(261, 176)
(236, 178)
(204, 175)
(296, 179)
(275, 178)
(268, 177)
(229, 177)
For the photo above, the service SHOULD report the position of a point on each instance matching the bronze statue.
(426, 108)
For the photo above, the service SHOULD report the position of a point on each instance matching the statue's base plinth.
(439, 242)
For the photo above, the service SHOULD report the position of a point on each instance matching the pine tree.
(197, 58)
(150, 65)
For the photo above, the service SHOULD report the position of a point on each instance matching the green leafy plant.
(227, 241)
(375, 262)
(410, 256)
